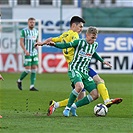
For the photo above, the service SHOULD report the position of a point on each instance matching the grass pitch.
(25, 111)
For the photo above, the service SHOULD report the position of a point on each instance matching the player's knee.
(79, 86)
(101, 80)
(98, 79)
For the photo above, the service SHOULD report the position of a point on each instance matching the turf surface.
(25, 111)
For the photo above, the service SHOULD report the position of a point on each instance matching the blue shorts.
(91, 73)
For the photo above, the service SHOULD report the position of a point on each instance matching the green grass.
(25, 111)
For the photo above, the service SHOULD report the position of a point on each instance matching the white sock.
(56, 105)
(67, 108)
(106, 101)
(74, 105)
(19, 80)
(31, 86)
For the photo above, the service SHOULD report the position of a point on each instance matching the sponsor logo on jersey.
(31, 37)
(84, 54)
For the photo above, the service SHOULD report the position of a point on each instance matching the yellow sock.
(103, 91)
(63, 103)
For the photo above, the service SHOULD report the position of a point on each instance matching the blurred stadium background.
(114, 19)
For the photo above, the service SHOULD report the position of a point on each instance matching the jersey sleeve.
(22, 35)
(56, 39)
(66, 45)
(97, 57)
(59, 38)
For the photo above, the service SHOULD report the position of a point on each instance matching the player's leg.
(93, 95)
(102, 89)
(75, 78)
(100, 85)
(34, 66)
(27, 65)
(53, 105)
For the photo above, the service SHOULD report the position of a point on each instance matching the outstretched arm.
(107, 63)
(96, 56)
(63, 45)
(43, 43)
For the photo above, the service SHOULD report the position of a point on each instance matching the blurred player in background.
(76, 26)
(1, 78)
(29, 36)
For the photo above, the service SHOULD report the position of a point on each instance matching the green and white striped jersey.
(82, 54)
(30, 37)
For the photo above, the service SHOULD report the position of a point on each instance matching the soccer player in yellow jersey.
(76, 26)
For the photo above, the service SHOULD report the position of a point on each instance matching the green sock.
(84, 101)
(23, 75)
(33, 78)
(72, 98)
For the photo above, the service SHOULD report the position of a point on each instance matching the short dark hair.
(76, 19)
(31, 18)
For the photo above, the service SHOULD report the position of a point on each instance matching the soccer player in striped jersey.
(76, 25)
(29, 36)
(84, 50)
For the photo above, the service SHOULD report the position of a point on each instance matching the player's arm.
(64, 45)
(22, 42)
(98, 57)
(23, 47)
(54, 39)
(44, 42)
(37, 37)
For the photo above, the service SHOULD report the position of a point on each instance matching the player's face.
(91, 38)
(79, 27)
(31, 24)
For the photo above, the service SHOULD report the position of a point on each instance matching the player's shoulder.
(65, 32)
(77, 40)
(73, 32)
(82, 40)
(35, 29)
(96, 43)
(26, 28)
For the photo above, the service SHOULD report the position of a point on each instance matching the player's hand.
(1, 78)
(38, 44)
(51, 43)
(107, 63)
(27, 53)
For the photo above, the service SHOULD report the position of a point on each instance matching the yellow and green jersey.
(30, 38)
(68, 36)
